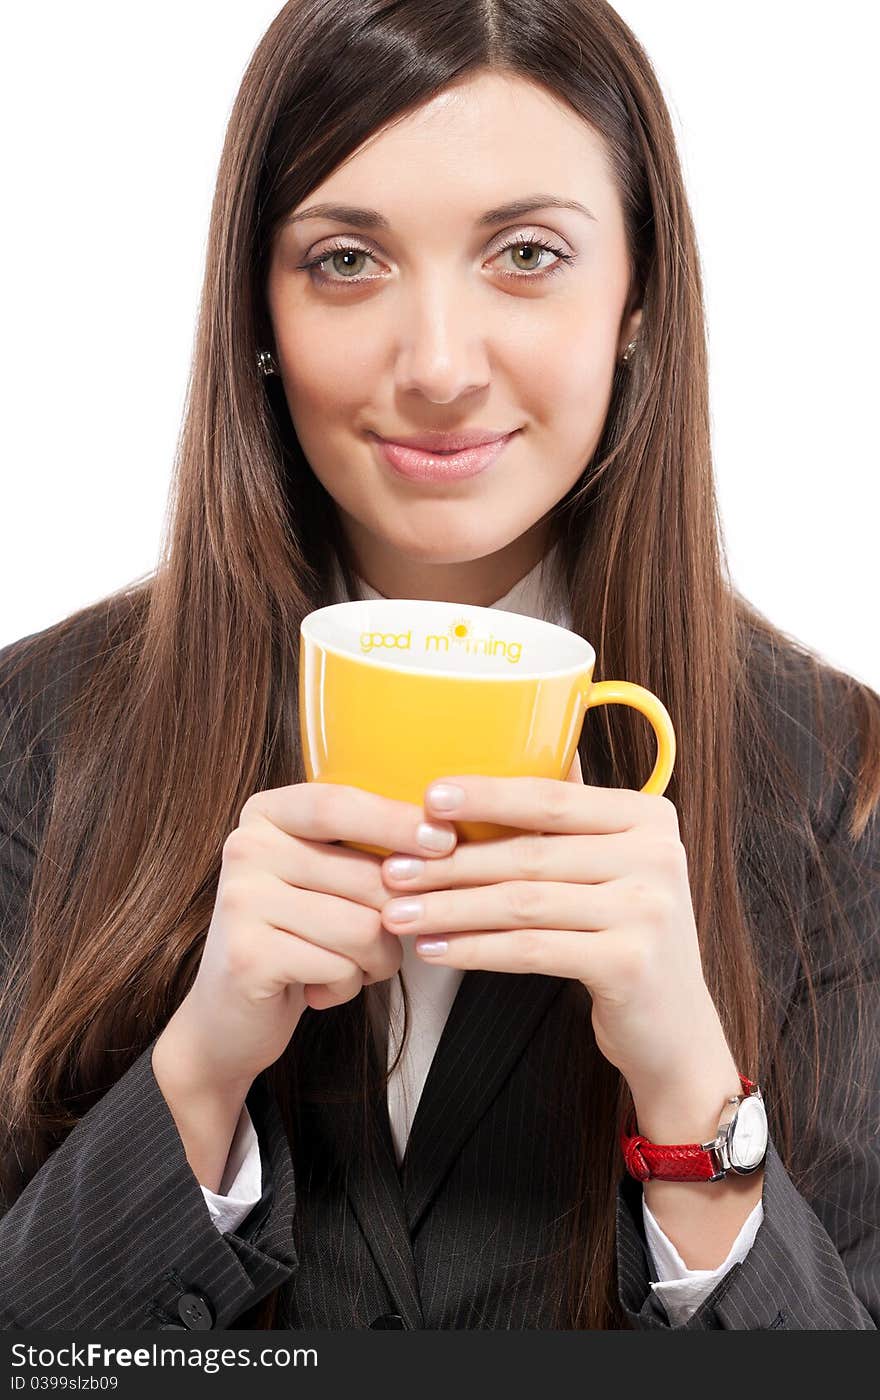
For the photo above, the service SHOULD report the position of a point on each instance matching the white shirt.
(432, 991)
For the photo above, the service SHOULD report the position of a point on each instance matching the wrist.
(682, 1101)
(703, 1220)
(688, 1111)
(204, 1114)
(184, 1066)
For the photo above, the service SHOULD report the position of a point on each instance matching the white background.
(113, 118)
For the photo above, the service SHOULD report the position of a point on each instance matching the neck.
(478, 582)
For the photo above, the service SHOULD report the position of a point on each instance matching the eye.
(531, 244)
(335, 256)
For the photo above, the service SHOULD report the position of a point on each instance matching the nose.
(441, 352)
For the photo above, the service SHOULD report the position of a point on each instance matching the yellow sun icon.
(460, 629)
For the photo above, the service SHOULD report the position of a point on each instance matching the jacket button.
(196, 1312)
(391, 1321)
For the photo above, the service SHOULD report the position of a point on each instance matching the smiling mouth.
(417, 464)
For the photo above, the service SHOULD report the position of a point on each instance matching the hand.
(296, 923)
(596, 888)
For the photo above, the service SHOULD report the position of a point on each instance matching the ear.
(630, 330)
(575, 773)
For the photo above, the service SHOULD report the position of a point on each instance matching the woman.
(205, 1116)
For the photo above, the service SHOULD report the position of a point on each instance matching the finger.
(599, 962)
(314, 865)
(301, 961)
(530, 856)
(542, 804)
(575, 772)
(329, 923)
(321, 997)
(514, 905)
(336, 812)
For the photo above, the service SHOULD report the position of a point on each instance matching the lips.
(416, 464)
(439, 442)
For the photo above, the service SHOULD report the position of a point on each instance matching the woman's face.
(436, 318)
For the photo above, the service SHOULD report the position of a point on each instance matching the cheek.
(311, 389)
(325, 391)
(323, 365)
(324, 384)
(571, 397)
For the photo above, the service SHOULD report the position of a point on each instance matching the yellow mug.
(396, 692)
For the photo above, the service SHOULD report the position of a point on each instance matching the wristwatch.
(739, 1146)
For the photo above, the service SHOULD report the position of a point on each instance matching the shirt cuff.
(242, 1181)
(680, 1289)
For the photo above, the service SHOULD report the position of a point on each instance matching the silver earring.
(265, 362)
(628, 351)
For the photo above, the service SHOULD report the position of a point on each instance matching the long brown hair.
(192, 687)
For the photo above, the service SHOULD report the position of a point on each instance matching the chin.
(448, 556)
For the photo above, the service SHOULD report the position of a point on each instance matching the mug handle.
(628, 693)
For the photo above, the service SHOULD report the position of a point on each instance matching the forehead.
(481, 141)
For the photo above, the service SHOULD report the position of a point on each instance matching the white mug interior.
(450, 639)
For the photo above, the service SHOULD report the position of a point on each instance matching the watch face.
(747, 1142)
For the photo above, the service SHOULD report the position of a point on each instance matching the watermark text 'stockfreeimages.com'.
(73, 1355)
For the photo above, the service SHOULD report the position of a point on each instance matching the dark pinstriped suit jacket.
(114, 1228)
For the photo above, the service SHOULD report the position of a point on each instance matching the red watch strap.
(688, 1161)
(685, 1162)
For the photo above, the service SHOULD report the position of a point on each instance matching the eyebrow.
(372, 219)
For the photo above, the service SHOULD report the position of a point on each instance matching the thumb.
(575, 773)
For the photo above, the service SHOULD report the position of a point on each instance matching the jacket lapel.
(372, 1187)
(488, 1027)
(377, 1200)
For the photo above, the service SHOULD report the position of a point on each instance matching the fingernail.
(431, 945)
(445, 796)
(401, 911)
(434, 837)
(404, 867)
